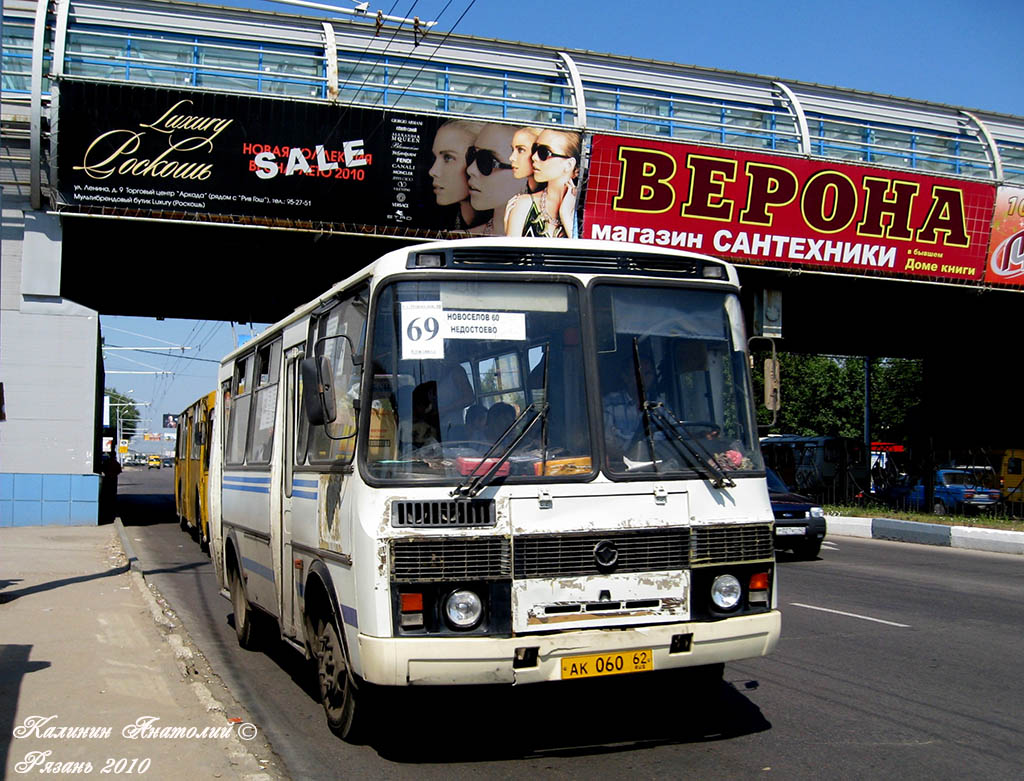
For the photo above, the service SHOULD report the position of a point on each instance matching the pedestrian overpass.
(175, 159)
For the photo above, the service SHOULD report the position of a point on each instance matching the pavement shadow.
(10, 596)
(790, 556)
(582, 718)
(146, 509)
(292, 663)
(560, 719)
(14, 666)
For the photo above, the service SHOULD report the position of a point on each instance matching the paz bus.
(192, 466)
(498, 461)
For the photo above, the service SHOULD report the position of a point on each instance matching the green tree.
(825, 395)
(123, 407)
(897, 386)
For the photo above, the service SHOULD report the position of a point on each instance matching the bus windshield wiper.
(476, 480)
(645, 406)
(701, 459)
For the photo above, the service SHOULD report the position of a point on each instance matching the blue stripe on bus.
(304, 494)
(253, 488)
(240, 479)
(304, 483)
(348, 615)
(258, 569)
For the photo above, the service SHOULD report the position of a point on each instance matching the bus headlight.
(726, 592)
(463, 609)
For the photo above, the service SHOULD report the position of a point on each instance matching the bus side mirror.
(317, 391)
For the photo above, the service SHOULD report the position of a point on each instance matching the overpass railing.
(352, 61)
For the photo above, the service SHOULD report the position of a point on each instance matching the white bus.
(495, 460)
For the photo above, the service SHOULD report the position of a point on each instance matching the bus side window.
(261, 432)
(225, 399)
(338, 333)
(238, 422)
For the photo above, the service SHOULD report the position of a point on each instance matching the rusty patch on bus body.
(332, 489)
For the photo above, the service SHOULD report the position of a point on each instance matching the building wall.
(48, 365)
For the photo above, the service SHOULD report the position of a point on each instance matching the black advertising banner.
(188, 155)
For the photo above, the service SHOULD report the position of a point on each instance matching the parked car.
(799, 521)
(957, 491)
(154, 462)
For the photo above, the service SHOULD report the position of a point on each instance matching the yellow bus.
(192, 467)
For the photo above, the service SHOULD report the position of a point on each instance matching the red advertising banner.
(764, 209)
(1006, 250)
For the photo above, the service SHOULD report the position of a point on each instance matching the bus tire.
(344, 704)
(202, 529)
(245, 625)
(182, 520)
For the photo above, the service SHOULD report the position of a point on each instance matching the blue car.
(957, 491)
(799, 521)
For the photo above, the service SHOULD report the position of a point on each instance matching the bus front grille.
(443, 514)
(574, 555)
(450, 559)
(731, 544)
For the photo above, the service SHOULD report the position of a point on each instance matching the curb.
(966, 537)
(252, 767)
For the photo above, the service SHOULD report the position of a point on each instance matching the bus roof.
(397, 261)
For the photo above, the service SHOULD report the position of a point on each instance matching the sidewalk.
(95, 674)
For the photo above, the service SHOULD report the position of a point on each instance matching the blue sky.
(961, 53)
(948, 51)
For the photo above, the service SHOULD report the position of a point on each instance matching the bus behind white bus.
(498, 461)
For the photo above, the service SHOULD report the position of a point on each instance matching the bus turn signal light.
(410, 611)
(412, 603)
(758, 588)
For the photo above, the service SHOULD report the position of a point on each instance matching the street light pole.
(117, 450)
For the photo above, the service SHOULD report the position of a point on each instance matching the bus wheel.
(202, 529)
(244, 619)
(182, 520)
(338, 692)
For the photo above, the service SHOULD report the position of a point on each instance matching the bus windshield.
(470, 375)
(674, 389)
(462, 370)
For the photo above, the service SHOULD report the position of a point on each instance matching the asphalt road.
(895, 660)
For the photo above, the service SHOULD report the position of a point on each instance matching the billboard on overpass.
(1006, 252)
(287, 163)
(768, 209)
(196, 155)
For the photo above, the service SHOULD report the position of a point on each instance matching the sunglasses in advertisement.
(543, 152)
(485, 159)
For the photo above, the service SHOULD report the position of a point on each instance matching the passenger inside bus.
(499, 418)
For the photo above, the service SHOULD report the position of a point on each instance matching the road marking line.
(851, 615)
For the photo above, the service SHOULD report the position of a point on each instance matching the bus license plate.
(607, 664)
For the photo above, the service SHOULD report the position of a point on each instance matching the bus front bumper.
(484, 660)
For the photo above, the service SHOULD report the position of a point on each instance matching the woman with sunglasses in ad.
(492, 180)
(448, 173)
(522, 166)
(551, 211)
(522, 155)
